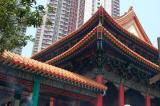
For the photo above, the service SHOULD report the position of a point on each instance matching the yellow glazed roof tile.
(39, 67)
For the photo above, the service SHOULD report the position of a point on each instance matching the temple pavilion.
(106, 62)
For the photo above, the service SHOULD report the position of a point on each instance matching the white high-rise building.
(111, 6)
(67, 16)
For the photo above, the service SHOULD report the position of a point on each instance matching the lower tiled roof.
(43, 68)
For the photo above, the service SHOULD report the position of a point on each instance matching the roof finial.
(131, 8)
(100, 23)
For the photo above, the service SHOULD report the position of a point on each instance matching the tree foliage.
(15, 15)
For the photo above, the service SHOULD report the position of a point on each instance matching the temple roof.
(130, 22)
(69, 36)
(37, 67)
(119, 23)
(109, 37)
(72, 49)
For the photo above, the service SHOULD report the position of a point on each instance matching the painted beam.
(131, 84)
(35, 93)
(52, 82)
(68, 87)
(154, 79)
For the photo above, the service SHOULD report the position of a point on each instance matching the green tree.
(14, 16)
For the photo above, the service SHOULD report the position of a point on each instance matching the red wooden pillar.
(121, 95)
(99, 79)
(78, 103)
(99, 100)
(52, 101)
(148, 100)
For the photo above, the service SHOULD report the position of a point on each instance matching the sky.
(148, 12)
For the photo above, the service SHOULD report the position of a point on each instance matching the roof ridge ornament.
(100, 23)
(130, 8)
(100, 53)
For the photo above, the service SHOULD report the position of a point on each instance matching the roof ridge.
(54, 59)
(131, 15)
(68, 35)
(131, 52)
(128, 33)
